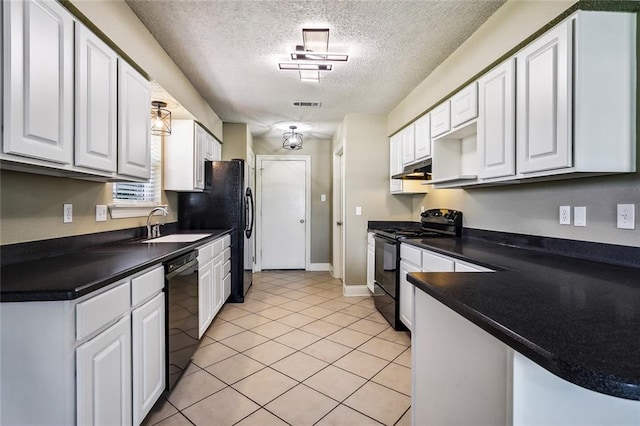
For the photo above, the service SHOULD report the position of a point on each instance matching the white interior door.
(338, 213)
(283, 194)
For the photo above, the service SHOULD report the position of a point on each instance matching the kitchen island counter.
(577, 318)
(72, 275)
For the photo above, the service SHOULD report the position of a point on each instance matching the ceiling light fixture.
(160, 119)
(312, 55)
(292, 140)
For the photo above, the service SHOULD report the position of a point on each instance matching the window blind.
(147, 192)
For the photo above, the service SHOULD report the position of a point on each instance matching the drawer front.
(217, 246)
(226, 268)
(226, 241)
(411, 254)
(146, 285)
(205, 253)
(434, 263)
(226, 254)
(470, 267)
(100, 310)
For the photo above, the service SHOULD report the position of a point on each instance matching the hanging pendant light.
(292, 140)
(160, 119)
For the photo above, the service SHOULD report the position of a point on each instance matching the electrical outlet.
(579, 216)
(67, 216)
(421, 209)
(565, 215)
(626, 216)
(101, 213)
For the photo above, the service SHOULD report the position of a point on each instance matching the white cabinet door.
(407, 291)
(395, 162)
(148, 346)
(103, 377)
(134, 135)
(408, 147)
(96, 102)
(371, 266)
(218, 283)
(217, 151)
(199, 155)
(38, 61)
(464, 105)
(441, 119)
(544, 102)
(205, 296)
(226, 284)
(496, 122)
(422, 136)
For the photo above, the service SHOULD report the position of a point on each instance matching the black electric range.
(434, 223)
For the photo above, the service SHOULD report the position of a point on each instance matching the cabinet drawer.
(411, 254)
(226, 241)
(434, 263)
(100, 310)
(205, 253)
(469, 267)
(146, 285)
(226, 268)
(217, 246)
(226, 254)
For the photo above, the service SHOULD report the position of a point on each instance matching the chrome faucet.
(155, 232)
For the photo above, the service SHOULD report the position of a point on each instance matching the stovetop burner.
(433, 223)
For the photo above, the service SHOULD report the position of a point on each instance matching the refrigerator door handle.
(249, 211)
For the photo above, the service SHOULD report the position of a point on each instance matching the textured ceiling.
(230, 51)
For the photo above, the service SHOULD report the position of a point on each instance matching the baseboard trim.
(319, 267)
(356, 290)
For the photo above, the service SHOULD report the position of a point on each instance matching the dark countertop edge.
(50, 296)
(604, 384)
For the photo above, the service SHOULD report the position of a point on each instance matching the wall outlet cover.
(579, 216)
(565, 215)
(626, 216)
(101, 213)
(358, 211)
(67, 215)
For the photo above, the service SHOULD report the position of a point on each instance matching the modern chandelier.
(160, 119)
(292, 140)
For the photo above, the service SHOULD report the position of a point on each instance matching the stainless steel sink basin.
(177, 238)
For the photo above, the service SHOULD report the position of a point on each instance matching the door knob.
(301, 220)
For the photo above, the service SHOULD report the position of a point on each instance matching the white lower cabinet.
(148, 355)
(214, 280)
(371, 262)
(205, 288)
(98, 359)
(103, 377)
(407, 291)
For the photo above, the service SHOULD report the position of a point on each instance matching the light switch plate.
(626, 216)
(579, 216)
(358, 211)
(323, 197)
(101, 213)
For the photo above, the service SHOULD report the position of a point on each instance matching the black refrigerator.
(225, 202)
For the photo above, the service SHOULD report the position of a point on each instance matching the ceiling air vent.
(306, 104)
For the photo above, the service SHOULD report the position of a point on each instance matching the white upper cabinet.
(184, 157)
(96, 102)
(441, 119)
(464, 105)
(134, 123)
(496, 122)
(38, 63)
(408, 147)
(544, 101)
(422, 136)
(395, 162)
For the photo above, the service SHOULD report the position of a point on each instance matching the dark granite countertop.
(579, 319)
(72, 275)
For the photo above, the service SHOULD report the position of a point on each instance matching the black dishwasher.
(181, 276)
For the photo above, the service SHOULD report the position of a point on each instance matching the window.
(140, 195)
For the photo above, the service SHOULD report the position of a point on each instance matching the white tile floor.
(296, 352)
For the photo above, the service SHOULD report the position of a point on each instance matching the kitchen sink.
(177, 238)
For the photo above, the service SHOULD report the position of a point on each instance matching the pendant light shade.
(160, 119)
(292, 140)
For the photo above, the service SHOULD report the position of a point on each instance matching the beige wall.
(320, 152)
(523, 208)
(237, 141)
(122, 26)
(366, 174)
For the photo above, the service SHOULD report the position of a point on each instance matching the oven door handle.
(180, 270)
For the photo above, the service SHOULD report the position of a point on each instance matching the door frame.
(338, 257)
(307, 202)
